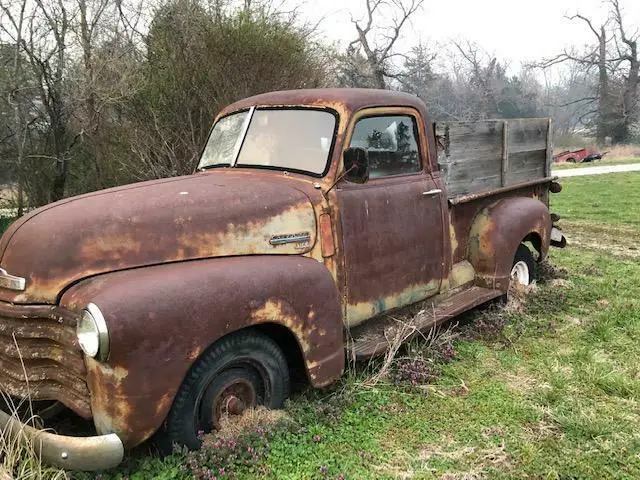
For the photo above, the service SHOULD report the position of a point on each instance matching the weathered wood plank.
(547, 169)
(527, 160)
(505, 153)
(527, 134)
(493, 153)
(475, 185)
(469, 139)
(525, 175)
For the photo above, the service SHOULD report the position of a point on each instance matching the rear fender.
(162, 318)
(498, 230)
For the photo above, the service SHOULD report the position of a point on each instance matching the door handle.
(435, 191)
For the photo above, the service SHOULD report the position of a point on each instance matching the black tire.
(571, 160)
(245, 367)
(523, 254)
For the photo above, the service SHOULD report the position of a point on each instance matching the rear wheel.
(522, 271)
(523, 267)
(241, 371)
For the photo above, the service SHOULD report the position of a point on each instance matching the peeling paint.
(358, 313)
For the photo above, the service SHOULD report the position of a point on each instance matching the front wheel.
(241, 371)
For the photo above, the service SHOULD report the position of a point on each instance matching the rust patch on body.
(360, 312)
(153, 224)
(186, 307)
(41, 341)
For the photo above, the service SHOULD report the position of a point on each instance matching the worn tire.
(244, 361)
(523, 254)
(524, 258)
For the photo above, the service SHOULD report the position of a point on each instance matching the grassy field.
(550, 390)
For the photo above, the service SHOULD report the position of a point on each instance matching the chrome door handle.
(435, 191)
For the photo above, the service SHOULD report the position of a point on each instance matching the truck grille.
(40, 358)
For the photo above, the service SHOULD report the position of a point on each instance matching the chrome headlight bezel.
(93, 327)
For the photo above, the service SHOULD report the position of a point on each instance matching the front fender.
(161, 318)
(498, 230)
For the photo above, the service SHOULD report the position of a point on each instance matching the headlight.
(92, 333)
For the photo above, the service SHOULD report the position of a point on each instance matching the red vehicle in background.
(579, 156)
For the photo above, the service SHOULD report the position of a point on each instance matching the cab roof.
(339, 99)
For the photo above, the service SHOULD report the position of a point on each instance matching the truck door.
(392, 225)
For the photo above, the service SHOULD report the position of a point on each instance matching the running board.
(375, 336)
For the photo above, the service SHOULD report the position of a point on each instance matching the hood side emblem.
(12, 283)
(302, 239)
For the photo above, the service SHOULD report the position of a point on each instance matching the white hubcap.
(520, 272)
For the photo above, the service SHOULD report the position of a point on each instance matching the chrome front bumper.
(71, 453)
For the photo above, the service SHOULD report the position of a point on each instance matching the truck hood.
(213, 214)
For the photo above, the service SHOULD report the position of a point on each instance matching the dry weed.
(235, 426)
(623, 151)
(20, 451)
(541, 430)
(522, 382)
(517, 297)
(21, 457)
(481, 459)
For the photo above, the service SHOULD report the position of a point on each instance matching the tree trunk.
(630, 95)
(602, 129)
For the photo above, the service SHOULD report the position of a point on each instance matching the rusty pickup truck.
(154, 309)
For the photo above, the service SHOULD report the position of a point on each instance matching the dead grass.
(20, 457)
(481, 460)
(517, 297)
(623, 151)
(620, 241)
(541, 430)
(234, 426)
(20, 453)
(396, 335)
(522, 382)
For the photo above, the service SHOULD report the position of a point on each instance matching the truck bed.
(486, 155)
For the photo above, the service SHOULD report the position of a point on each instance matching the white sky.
(514, 30)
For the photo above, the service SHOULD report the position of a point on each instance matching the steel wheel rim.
(242, 389)
(520, 273)
(233, 399)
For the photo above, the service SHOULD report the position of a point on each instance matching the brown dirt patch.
(618, 240)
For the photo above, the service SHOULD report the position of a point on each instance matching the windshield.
(286, 139)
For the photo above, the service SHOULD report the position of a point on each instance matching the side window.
(391, 142)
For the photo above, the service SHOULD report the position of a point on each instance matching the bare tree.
(627, 52)
(20, 125)
(614, 55)
(42, 38)
(377, 38)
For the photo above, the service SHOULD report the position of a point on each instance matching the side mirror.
(356, 164)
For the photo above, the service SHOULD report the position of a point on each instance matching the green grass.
(556, 395)
(600, 213)
(605, 161)
(611, 199)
